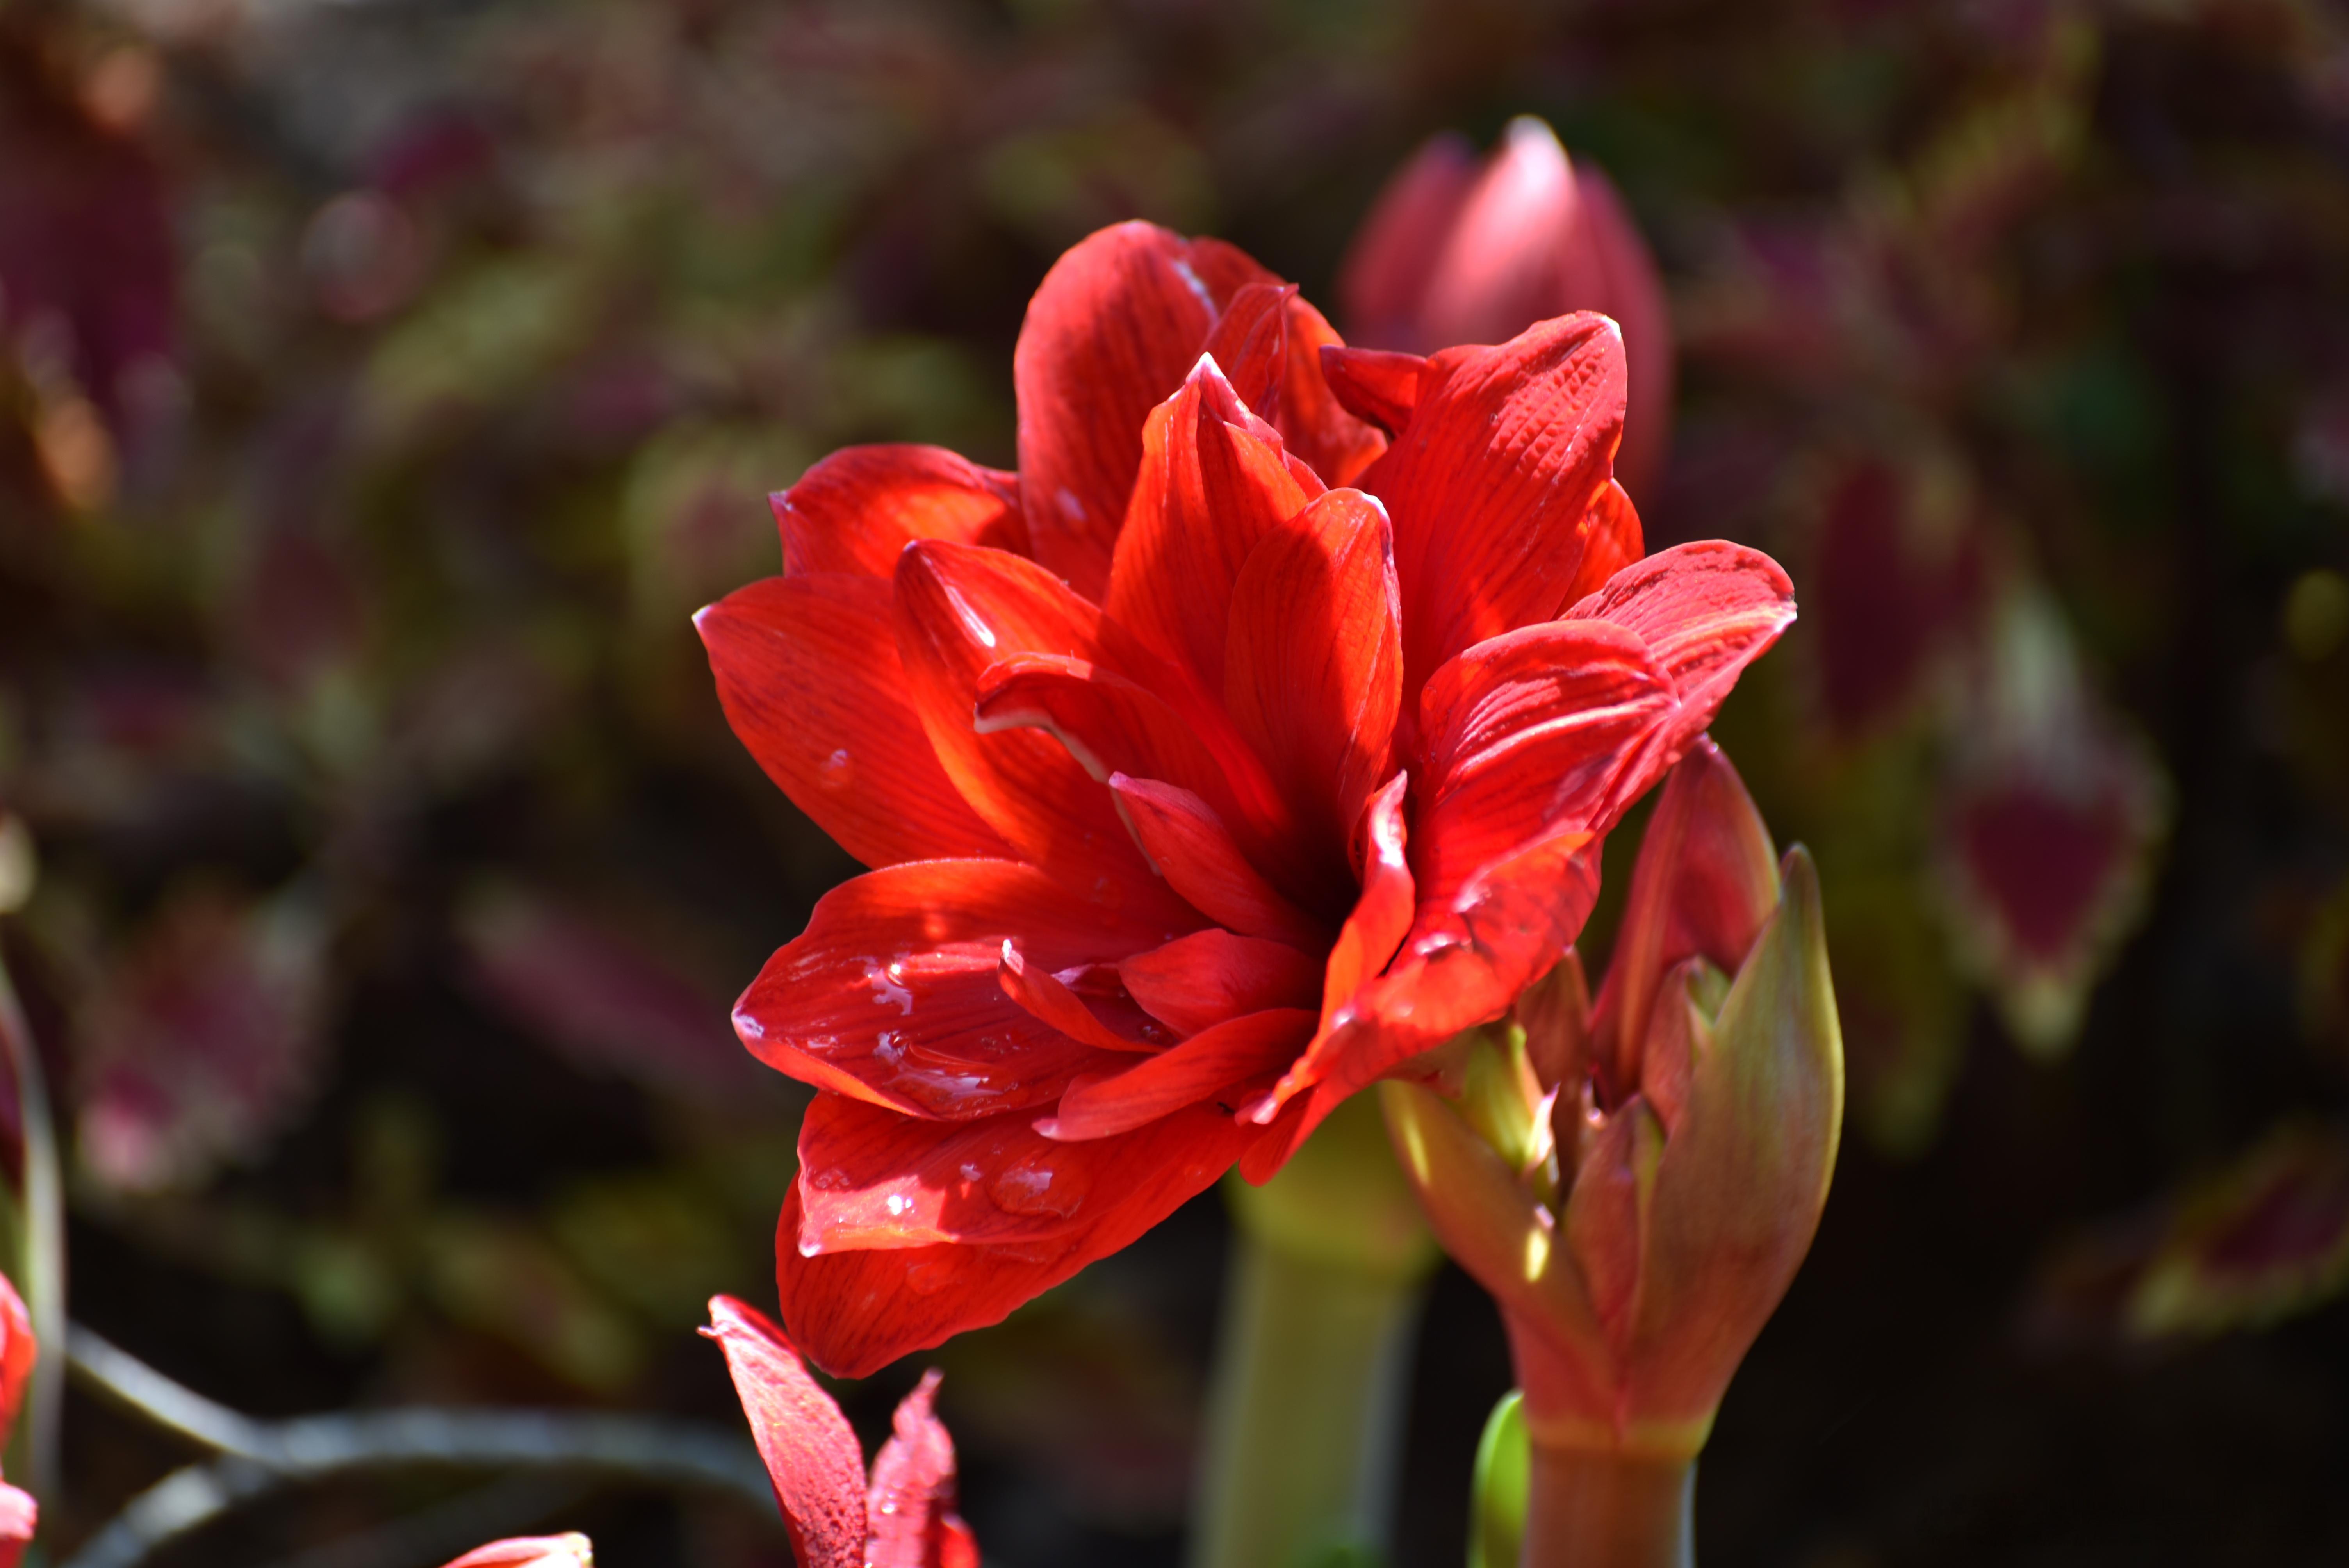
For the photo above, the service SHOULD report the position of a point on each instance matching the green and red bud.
(1637, 1181)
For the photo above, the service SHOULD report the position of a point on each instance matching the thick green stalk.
(1306, 1414)
(1600, 1510)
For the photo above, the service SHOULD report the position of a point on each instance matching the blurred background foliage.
(385, 382)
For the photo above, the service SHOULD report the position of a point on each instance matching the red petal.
(1198, 981)
(1214, 482)
(569, 1549)
(1049, 999)
(1113, 329)
(909, 1513)
(1318, 426)
(1384, 277)
(807, 670)
(856, 1312)
(959, 611)
(1248, 1047)
(1706, 611)
(1109, 725)
(1314, 667)
(891, 994)
(1250, 346)
(1491, 484)
(1706, 879)
(1188, 843)
(812, 1455)
(1612, 540)
(1526, 736)
(20, 1517)
(1381, 386)
(18, 1351)
(1381, 919)
(1382, 916)
(872, 1179)
(856, 509)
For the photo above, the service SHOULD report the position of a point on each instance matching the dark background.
(384, 383)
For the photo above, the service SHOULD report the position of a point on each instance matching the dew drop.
(1034, 1187)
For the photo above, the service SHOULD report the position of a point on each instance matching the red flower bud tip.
(903, 1517)
(1451, 253)
(569, 1549)
(1637, 1182)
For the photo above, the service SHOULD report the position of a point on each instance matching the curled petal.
(1111, 333)
(1050, 999)
(1187, 844)
(807, 669)
(1377, 384)
(891, 994)
(1222, 1054)
(1529, 736)
(1200, 980)
(1706, 611)
(812, 1455)
(853, 511)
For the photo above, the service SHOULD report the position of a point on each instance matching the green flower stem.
(1306, 1414)
(1597, 1509)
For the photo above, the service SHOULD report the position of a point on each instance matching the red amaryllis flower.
(1453, 253)
(1200, 794)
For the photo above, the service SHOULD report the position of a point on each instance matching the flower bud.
(1694, 1116)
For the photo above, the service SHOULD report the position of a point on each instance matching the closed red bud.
(1704, 1097)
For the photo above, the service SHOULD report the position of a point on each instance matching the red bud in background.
(569, 1549)
(1453, 255)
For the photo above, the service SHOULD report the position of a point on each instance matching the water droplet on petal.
(1034, 1186)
